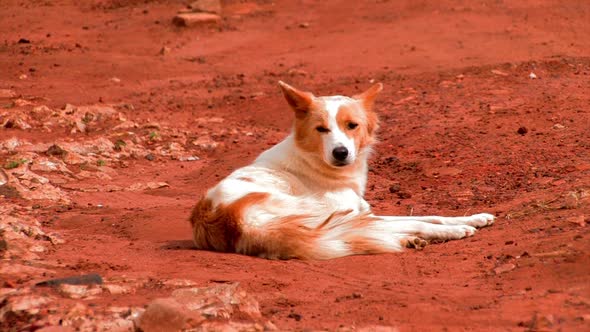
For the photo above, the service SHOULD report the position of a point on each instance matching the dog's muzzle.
(340, 154)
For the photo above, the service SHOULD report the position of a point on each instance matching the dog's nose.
(340, 153)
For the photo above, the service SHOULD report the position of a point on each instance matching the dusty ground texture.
(114, 122)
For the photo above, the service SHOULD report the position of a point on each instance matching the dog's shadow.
(178, 245)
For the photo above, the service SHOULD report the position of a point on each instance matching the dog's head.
(337, 129)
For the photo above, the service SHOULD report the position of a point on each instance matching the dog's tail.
(342, 233)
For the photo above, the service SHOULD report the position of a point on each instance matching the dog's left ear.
(368, 97)
(300, 101)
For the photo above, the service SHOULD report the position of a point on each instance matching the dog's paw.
(467, 230)
(415, 242)
(455, 232)
(481, 220)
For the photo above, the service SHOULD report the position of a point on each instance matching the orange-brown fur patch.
(360, 245)
(221, 227)
(298, 100)
(307, 137)
(363, 135)
(288, 237)
(284, 238)
(332, 216)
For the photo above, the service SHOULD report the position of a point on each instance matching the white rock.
(117, 289)
(194, 19)
(188, 158)
(558, 126)
(3, 177)
(7, 93)
(10, 144)
(44, 164)
(179, 283)
(499, 72)
(145, 186)
(38, 248)
(78, 291)
(29, 304)
(205, 143)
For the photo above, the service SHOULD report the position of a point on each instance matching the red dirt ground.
(457, 91)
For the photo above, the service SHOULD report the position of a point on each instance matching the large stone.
(99, 113)
(118, 289)
(31, 186)
(115, 325)
(46, 165)
(23, 270)
(163, 315)
(195, 19)
(189, 307)
(7, 93)
(78, 291)
(85, 279)
(41, 112)
(10, 144)
(221, 301)
(22, 305)
(98, 146)
(179, 283)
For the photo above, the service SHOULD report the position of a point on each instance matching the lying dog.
(303, 198)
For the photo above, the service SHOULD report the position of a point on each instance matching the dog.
(303, 198)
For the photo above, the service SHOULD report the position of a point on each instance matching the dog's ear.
(300, 101)
(368, 97)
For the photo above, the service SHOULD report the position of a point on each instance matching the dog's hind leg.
(476, 220)
(425, 230)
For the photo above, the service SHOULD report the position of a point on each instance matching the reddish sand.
(457, 92)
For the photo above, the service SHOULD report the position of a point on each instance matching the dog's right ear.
(368, 97)
(300, 101)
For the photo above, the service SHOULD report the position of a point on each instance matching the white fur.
(336, 138)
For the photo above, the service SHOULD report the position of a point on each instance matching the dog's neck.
(312, 171)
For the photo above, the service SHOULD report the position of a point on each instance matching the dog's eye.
(352, 125)
(322, 129)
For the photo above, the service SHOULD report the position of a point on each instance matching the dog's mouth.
(340, 163)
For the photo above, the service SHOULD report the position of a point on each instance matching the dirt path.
(465, 129)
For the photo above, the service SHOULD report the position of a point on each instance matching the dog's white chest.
(345, 200)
